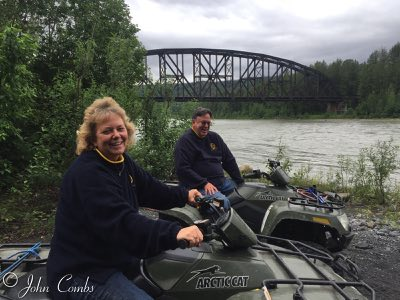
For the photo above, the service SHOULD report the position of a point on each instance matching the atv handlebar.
(183, 244)
(273, 163)
(213, 208)
(256, 174)
(206, 228)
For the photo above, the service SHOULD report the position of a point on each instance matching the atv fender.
(281, 211)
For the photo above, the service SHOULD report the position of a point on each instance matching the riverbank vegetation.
(367, 179)
(56, 57)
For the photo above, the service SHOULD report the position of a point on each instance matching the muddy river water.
(308, 142)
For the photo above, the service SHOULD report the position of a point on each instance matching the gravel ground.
(376, 250)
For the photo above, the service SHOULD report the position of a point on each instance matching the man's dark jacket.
(201, 160)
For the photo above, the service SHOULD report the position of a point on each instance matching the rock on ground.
(376, 250)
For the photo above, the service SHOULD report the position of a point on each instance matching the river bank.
(376, 250)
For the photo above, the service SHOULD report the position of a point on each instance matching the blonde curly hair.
(95, 114)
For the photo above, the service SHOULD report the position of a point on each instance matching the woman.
(99, 233)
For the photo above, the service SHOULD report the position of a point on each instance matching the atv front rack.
(340, 264)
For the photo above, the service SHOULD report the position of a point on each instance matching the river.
(308, 142)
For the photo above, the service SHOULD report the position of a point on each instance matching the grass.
(28, 217)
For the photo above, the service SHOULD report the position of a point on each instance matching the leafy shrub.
(157, 136)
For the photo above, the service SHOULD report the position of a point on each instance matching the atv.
(290, 212)
(231, 263)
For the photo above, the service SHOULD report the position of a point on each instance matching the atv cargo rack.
(343, 266)
(307, 202)
(9, 253)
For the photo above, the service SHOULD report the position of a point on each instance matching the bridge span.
(230, 75)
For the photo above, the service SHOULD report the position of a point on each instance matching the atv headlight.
(344, 220)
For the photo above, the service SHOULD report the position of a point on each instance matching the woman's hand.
(192, 196)
(192, 234)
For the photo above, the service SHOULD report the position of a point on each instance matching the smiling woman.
(98, 212)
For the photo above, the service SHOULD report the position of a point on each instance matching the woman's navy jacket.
(98, 228)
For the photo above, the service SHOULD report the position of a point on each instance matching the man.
(201, 156)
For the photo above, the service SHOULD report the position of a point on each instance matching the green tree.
(394, 66)
(125, 61)
(158, 133)
(383, 157)
(17, 92)
(81, 46)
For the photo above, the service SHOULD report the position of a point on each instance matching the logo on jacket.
(216, 279)
(213, 146)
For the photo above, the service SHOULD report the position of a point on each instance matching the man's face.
(201, 125)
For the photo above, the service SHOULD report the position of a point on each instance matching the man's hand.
(192, 196)
(210, 189)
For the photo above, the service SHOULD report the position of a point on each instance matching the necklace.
(109, 160)
(122, 160)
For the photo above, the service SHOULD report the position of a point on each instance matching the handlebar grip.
(253, 175)
(199, 199)
(183, 244)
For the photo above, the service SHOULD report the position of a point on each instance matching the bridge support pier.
(332, 107)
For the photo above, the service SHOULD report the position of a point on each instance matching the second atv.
(285, 211)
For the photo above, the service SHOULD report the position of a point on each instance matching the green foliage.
(342, 178)
(368, 176)
(356, 177)
(282, 156)
(66, 54)
(184, 110)
(17, 118)
(383, 158)
(125, 61)
(158, 134)
(302, 176)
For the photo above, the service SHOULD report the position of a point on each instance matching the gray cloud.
(353, 31)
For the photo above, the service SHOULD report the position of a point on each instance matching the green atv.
(285, 211)
(231, 263)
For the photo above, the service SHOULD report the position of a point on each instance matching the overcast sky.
(305, 31)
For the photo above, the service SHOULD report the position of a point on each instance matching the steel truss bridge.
(229, 75)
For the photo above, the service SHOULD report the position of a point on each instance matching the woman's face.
(111, 137)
